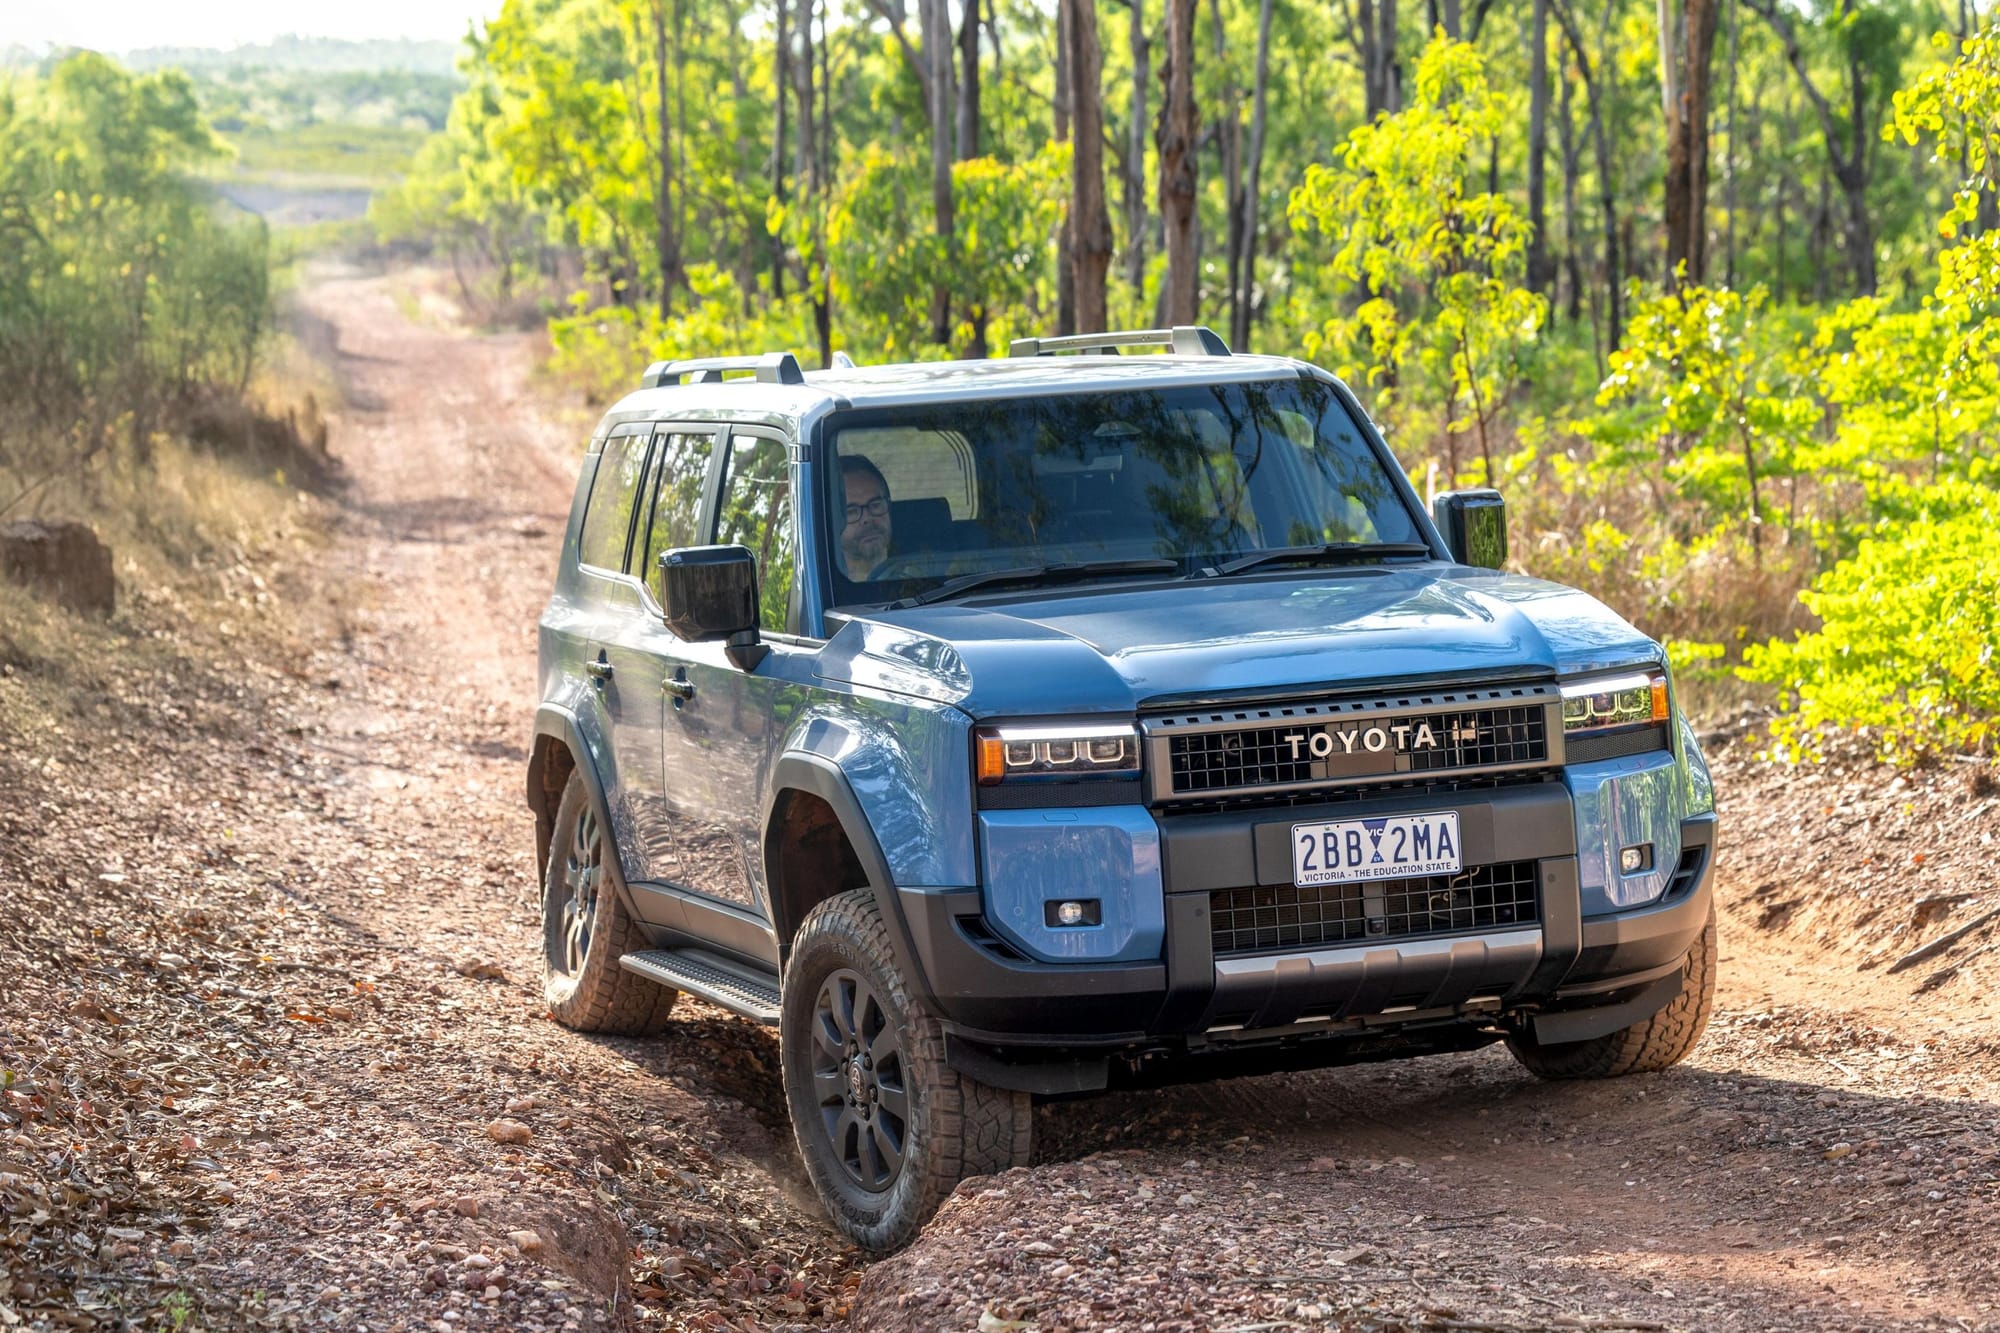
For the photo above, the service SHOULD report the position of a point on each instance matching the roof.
(942, 381)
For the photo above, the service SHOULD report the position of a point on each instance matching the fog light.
(1634, 859)
(1073, 912)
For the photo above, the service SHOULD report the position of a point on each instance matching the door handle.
(599, 671)
(680, 688)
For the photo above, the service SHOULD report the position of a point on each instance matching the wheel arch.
(811, 804)
(558, 751)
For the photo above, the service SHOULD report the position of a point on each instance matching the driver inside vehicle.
(864, 538)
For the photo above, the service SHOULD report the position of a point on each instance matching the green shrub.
(1907, 650)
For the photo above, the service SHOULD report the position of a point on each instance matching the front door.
(733, 720)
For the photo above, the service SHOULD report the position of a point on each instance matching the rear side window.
(680, 472)
(607, 517)
(757, 513)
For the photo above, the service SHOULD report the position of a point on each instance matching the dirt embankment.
(278, 1057)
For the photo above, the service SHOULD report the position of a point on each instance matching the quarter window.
(680, 472)
(757, 513)
(607, 515)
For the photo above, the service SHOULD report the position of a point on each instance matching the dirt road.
(276, 1000)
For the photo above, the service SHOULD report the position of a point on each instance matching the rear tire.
(886, 1128)
(586, 930)
(1649, 1045)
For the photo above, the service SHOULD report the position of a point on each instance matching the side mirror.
(1474, 525)
(710, 593)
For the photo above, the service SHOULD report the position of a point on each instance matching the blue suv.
(1018, 728)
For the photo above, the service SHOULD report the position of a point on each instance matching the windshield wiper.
(1068, 571)
(1330, 553)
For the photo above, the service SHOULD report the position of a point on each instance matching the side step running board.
(739, 988)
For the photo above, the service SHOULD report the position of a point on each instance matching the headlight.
(1609, 703)
(1056, 753)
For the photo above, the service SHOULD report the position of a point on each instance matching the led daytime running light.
(1056, 752)
(1613, 702)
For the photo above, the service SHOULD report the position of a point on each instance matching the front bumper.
(993, 996)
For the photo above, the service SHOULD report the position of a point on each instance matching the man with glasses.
(864, 540)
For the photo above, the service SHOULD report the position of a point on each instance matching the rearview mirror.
(1474, 526)
(709, 593)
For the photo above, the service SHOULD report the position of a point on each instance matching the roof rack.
(1184, 339)
(770, 368)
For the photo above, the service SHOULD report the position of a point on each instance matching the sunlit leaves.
(1428, 267)
(1907, 648)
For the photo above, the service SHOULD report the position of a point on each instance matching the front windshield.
(1196, 475)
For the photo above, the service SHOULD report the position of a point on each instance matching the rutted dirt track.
(322, 908)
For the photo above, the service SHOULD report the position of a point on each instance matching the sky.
(125, 25)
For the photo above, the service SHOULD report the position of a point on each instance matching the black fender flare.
(554, 722)
(816, 775)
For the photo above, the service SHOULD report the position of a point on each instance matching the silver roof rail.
(1183, 339)
(770, 368)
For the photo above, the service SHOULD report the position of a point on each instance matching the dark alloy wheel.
(566, 933)
(586, 930)
(885, 1126)
(857, 1071)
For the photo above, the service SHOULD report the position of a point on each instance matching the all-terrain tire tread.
(607, 998)
(974, 1129)
(1650, 1045)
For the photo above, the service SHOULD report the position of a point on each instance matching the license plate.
(1392, 847)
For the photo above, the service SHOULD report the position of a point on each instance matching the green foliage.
(1907, 646)
(602, 351)
(1430, 267)
(1702, 404)
(886, 259)
(126, 292)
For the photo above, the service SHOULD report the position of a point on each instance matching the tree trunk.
(968, 82)
(663, 199)
(934, 18)
(1135, 154)
(1687, 46)
(1572, 153)
(1849, 163)
(1065, 240)
(1381, 72)
(1176, 139)
(1607, 193)
(1538, 148)
(1729, 164)
(783, 83)
(1228, 161)
(1090, 223)
(1448, 19)
(1244, 307)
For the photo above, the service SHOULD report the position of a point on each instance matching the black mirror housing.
(708, 592)
(1474, 526)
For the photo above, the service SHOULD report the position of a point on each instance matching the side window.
(680, 468)
(607, 516)
(757, 513)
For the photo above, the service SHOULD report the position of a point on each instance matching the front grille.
(1278, 747)
(1373, 791)
(1263, 756)
(1285, 916)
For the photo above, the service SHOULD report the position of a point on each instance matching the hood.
(1118, 647)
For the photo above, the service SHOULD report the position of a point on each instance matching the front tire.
(886, 1128)
(586, 930)
(1651, 1044)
